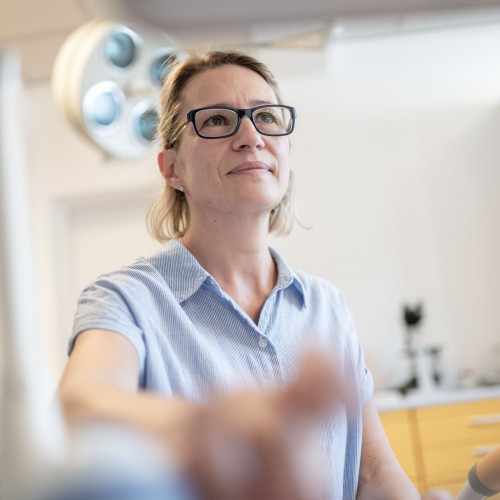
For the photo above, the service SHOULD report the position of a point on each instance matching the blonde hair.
(168, 215)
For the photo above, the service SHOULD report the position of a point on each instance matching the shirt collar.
(184, 275)
(180, 270)
(286, 275)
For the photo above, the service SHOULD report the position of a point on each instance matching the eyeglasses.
(220, 122)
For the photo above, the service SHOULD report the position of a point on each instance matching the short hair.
(168, 215)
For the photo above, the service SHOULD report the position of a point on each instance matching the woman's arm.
(380, 476)
(249, 445)
(101, 381)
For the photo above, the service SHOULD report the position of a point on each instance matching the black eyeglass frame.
(190, 117)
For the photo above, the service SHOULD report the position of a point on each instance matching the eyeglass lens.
(220, 122)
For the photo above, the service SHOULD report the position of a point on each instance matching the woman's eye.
(266, 118)
(215, 121)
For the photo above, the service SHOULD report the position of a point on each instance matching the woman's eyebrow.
(259, 102)
(253, 103)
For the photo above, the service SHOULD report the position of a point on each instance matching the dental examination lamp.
(106, 80)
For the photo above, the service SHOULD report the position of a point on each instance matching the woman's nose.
(248, 136)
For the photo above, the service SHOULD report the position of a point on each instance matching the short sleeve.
(106, 304)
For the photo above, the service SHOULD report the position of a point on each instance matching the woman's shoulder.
(162, 269)
(128, 284)
(317, 284)
(137, 270)
(312, 286)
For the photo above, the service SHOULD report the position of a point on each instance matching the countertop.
(391, 400)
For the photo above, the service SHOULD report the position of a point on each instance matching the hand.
(259, 445)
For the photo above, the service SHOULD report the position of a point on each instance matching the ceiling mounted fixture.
(107, 79)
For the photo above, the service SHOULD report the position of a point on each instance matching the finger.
(317, 389)
(488, 470)
(226, 464)
(251, 454)
(280, 473)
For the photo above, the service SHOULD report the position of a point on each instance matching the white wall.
(398, 164)
(396, 157)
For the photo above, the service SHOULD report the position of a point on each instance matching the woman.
(201, 344)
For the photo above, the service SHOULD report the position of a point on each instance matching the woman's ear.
(166, 162)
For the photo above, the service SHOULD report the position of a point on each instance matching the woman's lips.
(253, 167)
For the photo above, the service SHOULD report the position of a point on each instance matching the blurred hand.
(258, 445)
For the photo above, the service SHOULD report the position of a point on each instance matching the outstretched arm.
(101, 382)
(247, 445)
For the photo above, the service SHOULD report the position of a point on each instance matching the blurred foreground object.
(484, 478)
(106, 81)
(106, 461)
(40, 460)
(31, 433)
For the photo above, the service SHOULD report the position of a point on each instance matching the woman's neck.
(238, 257)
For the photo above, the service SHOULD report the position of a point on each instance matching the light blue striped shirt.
(194, 341)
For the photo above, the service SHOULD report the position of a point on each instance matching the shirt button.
(263, 342)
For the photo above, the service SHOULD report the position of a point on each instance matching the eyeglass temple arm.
(177, 131)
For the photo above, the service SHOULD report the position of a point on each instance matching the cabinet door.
(476, 423)
(454, 437)
(448, 464)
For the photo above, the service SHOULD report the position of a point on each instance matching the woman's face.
(246, 173)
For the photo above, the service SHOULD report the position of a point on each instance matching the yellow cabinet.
(436, 446)
(454, 437)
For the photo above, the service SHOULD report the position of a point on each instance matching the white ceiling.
(38, 28)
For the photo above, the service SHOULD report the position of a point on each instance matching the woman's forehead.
(227, 85)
